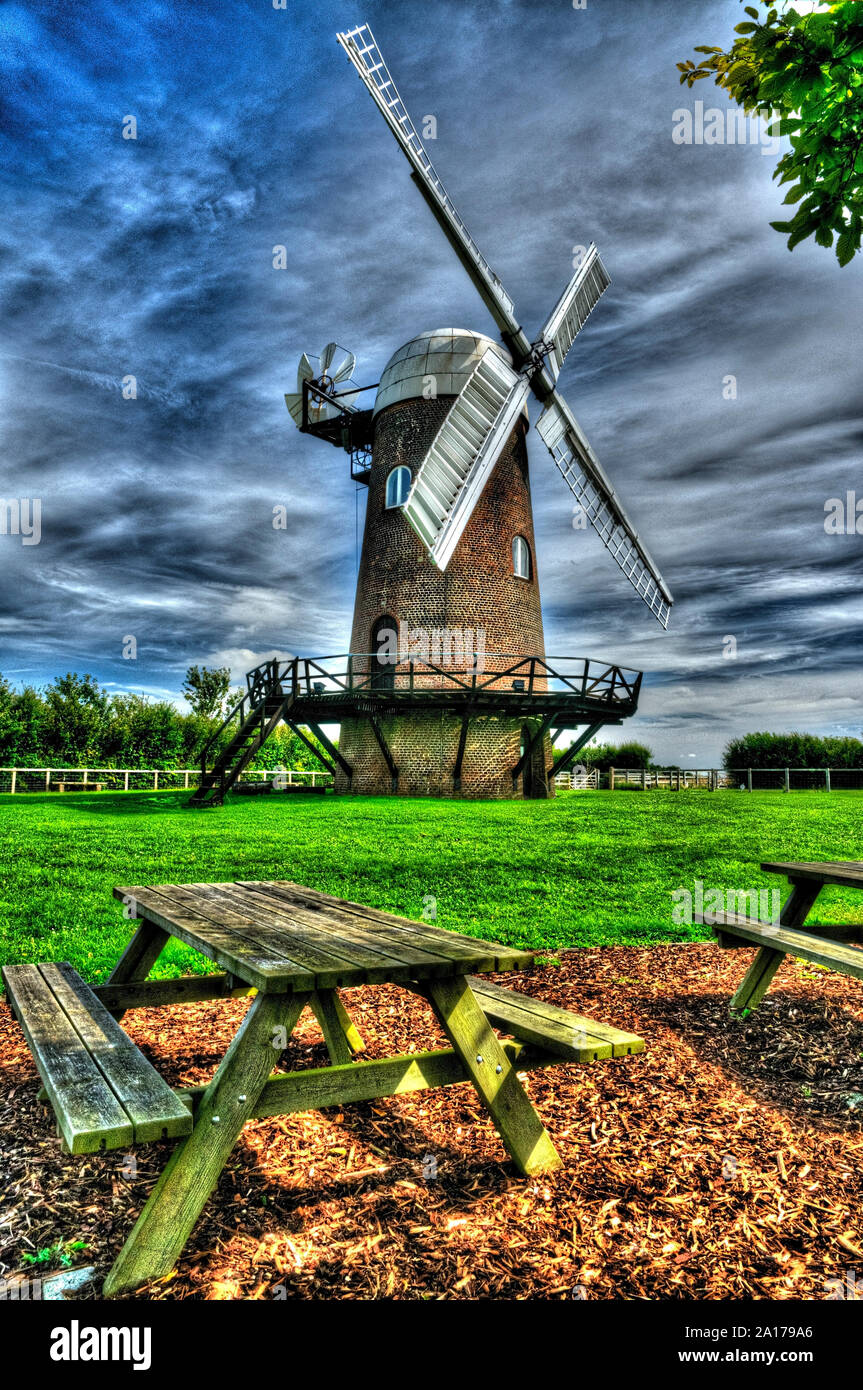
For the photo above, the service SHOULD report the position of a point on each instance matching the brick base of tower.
(479, 593)
(424, 748)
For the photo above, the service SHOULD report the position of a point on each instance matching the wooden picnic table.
(290, 947)
(834, 945)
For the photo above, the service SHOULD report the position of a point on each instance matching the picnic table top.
(282, 938)
(845, 872)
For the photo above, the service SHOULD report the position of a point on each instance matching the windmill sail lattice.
(582, 294)
(455, 470)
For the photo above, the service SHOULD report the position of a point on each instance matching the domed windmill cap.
(448, 355)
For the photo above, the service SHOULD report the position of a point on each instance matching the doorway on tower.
(527, 778)
(384, 650)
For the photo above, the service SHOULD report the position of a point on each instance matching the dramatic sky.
(153, 257)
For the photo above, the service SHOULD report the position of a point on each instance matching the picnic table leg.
(758, 977)
(174, 1205)
(340, 1035)
(139, 957)
(493, 1075)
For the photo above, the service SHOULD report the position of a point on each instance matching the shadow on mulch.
(792, 1053)
(724, 1163)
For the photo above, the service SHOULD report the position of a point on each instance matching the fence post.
(788, 779)
(47, 779)
(155, 780)
(186, 778)
(643, 770)
(611, 779)
(126, 780)
(827, 779)
(86, 774)
(14, 780)
(749, 779)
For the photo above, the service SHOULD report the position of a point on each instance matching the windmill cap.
(446, 356)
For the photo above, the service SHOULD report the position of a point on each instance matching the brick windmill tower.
(447, 690)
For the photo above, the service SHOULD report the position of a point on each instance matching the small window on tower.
(398, 487)
(521, 557)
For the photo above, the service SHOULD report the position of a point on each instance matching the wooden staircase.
(255, 728)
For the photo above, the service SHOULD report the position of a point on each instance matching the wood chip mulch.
(724, 1163)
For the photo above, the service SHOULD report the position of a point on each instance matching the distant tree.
(284, 749)
(143, 733)
(206, 689)
(77, 713)
(808, 70)
(605, 755)
(760, 750)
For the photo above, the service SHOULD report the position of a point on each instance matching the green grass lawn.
(582, 870)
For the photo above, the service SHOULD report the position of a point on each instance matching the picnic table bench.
(291, 947)
(79, 786)
(836, 946)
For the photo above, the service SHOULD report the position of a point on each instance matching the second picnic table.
(291, 947)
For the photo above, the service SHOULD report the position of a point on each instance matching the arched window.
(398, 487)
(520, 557)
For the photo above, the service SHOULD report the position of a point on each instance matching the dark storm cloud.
(153, 258)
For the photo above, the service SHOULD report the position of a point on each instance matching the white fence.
(738, 778)
(125, 779)
(577, 781)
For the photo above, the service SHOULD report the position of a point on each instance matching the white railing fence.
(126, 779)
(577, 781)
(745, 779)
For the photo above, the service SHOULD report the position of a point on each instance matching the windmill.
(447, 689)
(465, 450)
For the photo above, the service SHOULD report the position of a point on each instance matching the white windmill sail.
(569, 316)
(465, 449)
(582, 471)
(361, 48)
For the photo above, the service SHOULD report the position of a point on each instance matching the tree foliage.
(75, 722)
(808, 70)
(761, 750)
(605, 755)
(206, 689)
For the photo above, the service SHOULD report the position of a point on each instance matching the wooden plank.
(851, 933)
(147, 1099)
(140, 955)
(326, 967)
(847, 873)
(493, 1076)
(451, 945)
(173, 1207)
(390, 955)
(835, 954)
(316, 1088)
(185, 989)
(350, 946)
(259, 966)
(757, 980)
(348, 1027)
(89, 1115)
(567, 1034)
(330, 1025)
